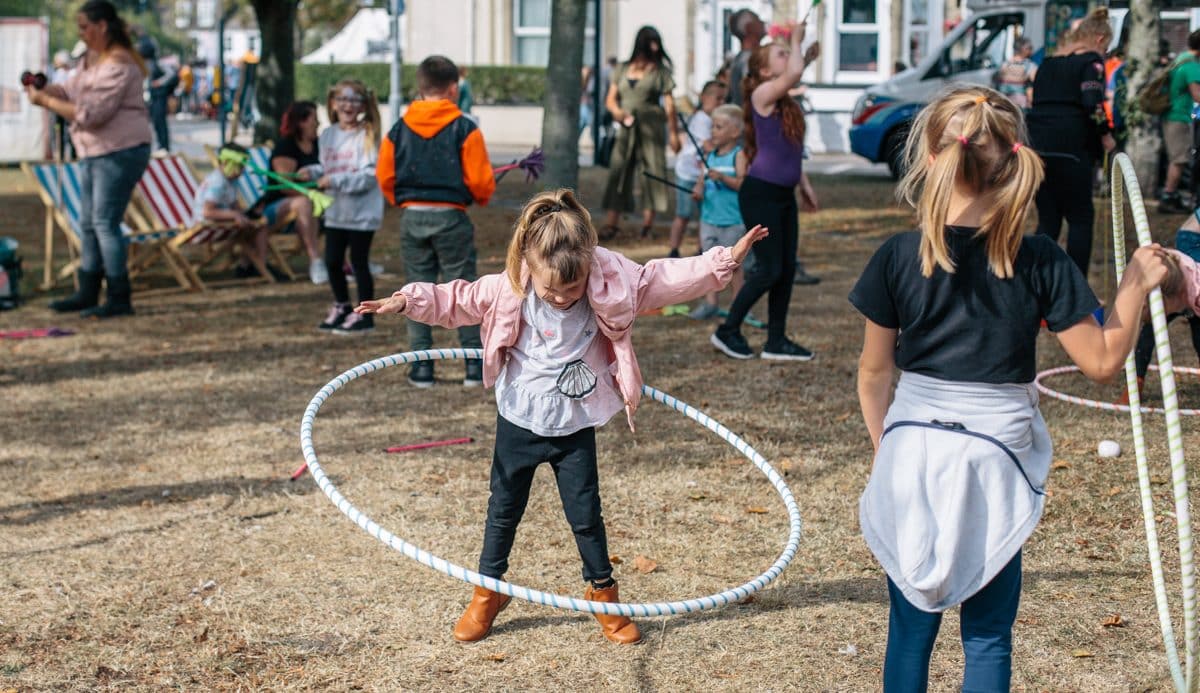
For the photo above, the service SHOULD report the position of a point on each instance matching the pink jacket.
(618, 289)
(110, 111)
(1191, 279)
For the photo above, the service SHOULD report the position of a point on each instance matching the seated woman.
(295, 156)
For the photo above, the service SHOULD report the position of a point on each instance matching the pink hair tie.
(1017, 147)
(962, 139)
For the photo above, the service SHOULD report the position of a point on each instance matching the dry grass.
(151, 540)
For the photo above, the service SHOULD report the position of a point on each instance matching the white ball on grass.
(1108, 448)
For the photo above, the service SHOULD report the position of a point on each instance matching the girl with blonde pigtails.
(961, 450)
(349, 149)
(557, 327)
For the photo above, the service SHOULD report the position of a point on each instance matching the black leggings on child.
(1145, 345)
(772, 206)
(359, 242)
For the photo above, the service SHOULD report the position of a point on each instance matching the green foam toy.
(320, 201)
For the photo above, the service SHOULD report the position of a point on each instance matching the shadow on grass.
(24, 514)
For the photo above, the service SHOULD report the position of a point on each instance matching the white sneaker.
(317, 272)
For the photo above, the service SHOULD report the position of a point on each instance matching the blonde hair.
(554, 231)
(731, 113)
(971, 139)
(1093, 26)
(370, 119)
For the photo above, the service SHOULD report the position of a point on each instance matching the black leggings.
(572, 458)
(1066, 191)
(359, 242)
(773, 206)
(1145, 344)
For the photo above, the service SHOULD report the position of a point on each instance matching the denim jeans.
(105, 186)
(518, 454)
(438, 245)
(986, 625)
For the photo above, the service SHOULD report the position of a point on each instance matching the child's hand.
(714, 174)
(323, 182)
(1147, 267)
(698, 191)
(741, 249)
(396, 303)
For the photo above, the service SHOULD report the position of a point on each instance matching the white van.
(970, 54)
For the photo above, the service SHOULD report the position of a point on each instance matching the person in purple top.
(774, 145)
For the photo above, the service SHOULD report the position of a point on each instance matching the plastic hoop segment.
(732, 595)
(1107, 406)
(1125, 185)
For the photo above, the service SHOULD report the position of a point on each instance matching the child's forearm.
(874, 393)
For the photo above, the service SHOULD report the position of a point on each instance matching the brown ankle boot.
(618, 629)
(477, 620)
(1124, 398)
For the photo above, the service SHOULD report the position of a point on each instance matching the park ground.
(150, 538)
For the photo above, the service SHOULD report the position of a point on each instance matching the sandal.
(609, 232)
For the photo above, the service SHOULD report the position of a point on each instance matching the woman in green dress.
(640, 101)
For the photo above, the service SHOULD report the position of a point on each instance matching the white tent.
(364, 39)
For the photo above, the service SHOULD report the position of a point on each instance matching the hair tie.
(981, 99)
(1017, 147)
(962, 139)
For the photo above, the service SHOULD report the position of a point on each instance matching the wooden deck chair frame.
(57, 185)
(163, 200)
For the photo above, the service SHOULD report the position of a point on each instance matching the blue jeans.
(987, 620)
(105, 186)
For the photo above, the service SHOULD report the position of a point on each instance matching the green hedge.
(490, 84)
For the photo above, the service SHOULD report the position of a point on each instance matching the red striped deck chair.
(58, 185)
(167, 191)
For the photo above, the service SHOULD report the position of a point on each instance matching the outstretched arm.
(1100, 351)
(668, 281)
(453, 304)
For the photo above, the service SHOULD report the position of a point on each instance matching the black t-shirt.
(971, 326)
(288, 148)
(1068, 115)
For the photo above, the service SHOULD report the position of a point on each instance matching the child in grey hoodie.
(349, 149)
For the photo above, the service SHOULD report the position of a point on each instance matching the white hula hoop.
(1126, 185)
(732, 595)
(1096, 404)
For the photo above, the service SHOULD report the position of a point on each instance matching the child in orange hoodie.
(433, 164)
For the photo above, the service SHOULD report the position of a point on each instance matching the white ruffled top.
(556, 379)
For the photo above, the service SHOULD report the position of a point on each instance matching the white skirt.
(957, 486)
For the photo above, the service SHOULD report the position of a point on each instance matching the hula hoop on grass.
(734, 594)
(1096, 404)
(1125, 186)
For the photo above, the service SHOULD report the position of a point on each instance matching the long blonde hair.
(972, 139)
(555, 231)
(370, 115)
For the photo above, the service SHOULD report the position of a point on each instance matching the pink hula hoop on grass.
(1107, 406)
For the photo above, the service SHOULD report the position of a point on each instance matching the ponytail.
(556, 231)
(973, 139)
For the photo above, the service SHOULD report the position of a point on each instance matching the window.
(206, 13)
(918, 31)
(252, 43)
(858, 36)
(531, 32)
(984, 45)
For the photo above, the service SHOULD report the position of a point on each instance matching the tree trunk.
(275, 84)
(1141, 57)
(560, 118)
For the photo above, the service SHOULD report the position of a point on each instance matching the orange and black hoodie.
(435, 155)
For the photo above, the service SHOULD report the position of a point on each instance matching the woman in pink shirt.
(110, 129)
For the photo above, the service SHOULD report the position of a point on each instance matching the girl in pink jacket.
(561, 367)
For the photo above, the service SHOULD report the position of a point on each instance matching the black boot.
(118, 300)
(86, 296)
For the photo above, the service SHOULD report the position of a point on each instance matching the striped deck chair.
(59, 188)
(166, 194)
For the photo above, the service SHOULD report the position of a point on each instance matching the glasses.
(349, 99)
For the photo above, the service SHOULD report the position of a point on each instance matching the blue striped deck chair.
(58, 186)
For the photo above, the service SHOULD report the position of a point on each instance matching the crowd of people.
(956, 305)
